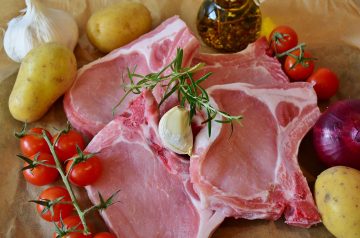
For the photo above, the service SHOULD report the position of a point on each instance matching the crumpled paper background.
(330, 28)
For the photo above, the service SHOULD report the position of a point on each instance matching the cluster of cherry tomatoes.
(298, 63)
(54, 203)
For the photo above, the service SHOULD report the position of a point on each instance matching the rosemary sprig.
(180, 80)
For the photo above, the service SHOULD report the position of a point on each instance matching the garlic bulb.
(39, 25)
(175, 130)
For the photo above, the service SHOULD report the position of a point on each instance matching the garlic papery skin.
(175, 130)
(39, 25)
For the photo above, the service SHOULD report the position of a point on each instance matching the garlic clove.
(7, 66)
(175, 130)
(37, 26)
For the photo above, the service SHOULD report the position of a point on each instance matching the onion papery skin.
(336, 134)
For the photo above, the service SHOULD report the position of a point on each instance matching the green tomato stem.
(86, 211)
(67, 185)
(299, 46)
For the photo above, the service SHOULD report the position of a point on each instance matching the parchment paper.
(330, 28)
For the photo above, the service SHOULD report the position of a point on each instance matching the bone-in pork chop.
(254, 173)
(98, 85)
(156, 197)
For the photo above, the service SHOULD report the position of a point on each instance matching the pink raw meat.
(254, 173)
(97, 88)
(156, 197)
(251, 65)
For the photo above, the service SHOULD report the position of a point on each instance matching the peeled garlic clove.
(37, 26)
(175, 130)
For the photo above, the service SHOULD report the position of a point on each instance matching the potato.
(118, 25)
(45, 74)
(337, 194)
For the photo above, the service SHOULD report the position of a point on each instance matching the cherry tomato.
(65, 148)
(299, 71)
(51, 194)
(41, 174)
(33, 142)
(73, 221)
(325, 82)
(283, 38)
(85, 172)
(104, 235)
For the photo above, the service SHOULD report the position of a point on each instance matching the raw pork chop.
(254, 173)
(157, 199)
(97, 88)
(251, 65)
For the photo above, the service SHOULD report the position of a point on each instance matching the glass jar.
(229, 25)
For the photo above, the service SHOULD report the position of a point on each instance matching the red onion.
(337, 134)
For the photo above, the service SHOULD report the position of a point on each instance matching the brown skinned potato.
(337, 194)
(45, 74)
(118, 25)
